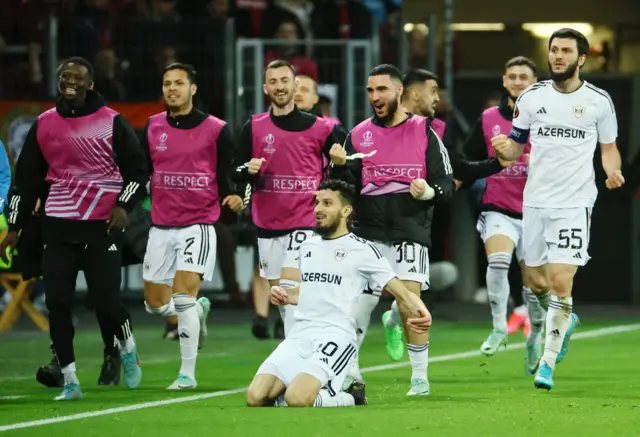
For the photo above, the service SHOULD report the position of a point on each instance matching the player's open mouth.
(69, 91)
(320, 217)
(173, 96)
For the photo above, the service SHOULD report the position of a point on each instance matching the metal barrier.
(353, 58)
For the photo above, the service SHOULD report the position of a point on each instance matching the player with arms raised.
(334, 268)
(565, 117)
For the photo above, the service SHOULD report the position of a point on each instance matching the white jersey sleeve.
(523, 115)
(607, 123)
(375, 268)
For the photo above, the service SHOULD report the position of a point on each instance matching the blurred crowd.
(130, 41)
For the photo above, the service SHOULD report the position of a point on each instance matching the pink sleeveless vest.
(438, 127)
(283, 196)
(400, 155)
(184, 184)
(83, 176)
(504, 190)
(331, 120)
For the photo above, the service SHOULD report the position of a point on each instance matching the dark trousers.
(101, 262)
(515, 282)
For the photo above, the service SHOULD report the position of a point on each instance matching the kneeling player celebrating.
(335, 267)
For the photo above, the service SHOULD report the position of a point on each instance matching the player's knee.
(537, 282)
(256, 397)
(186, 282)
(561, 283)
(296, 397)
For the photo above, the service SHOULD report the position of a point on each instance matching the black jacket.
(28, 256)
(224, 150)
(31, 170)
(397, 217)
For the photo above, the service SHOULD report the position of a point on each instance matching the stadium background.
(337, 42)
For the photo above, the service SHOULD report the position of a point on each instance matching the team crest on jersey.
(269, 141)
(496, 130)
(578, 111)
(516, 112)
(340, 254)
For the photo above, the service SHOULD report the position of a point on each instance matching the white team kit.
(491, 223)
(280, 252)
(190, 249)
(564, 129)
(322, 341)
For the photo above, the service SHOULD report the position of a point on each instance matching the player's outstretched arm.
(242, 156)
(421, 318)
(281, 296)
(439, 171)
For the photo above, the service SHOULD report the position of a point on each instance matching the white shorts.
(325, 355)
(410, 261)
(492, 223)
(190, 249)
(553, 235)
(280, 252)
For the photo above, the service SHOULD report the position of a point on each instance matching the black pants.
(515, 282)
(101, 262)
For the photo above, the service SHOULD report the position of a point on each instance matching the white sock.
(188, 330)
(537, 314)
(69, 373)
(544, 298)
(498, 288)
(341, 399)
(280, 402)
(287, 312)
(521, 310)
(558, 319)
(419, 359)
(395, 319)
(165, 310)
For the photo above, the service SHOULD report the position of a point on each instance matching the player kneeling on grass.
(309, 366)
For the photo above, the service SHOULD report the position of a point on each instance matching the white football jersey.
(333, 274)
(564, 129)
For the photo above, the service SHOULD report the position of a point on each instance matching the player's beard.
(393, 107)
(566, 74)
(330, 229)
(288, 99)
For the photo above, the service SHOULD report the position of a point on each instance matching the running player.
(335, 267)
(404, 171)
(88, 158)
(282, 153)
(566, 118)
(190, 155)
(500, 222)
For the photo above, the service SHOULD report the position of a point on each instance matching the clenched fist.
(234, 202)
(338, 155)
(254, 165)
(421, 190)
(614, 180)
(501, 146)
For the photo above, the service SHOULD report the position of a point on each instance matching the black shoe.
(110, 373)
(356, 389)
(278, 329)
(260, 328)
(50, 374)
(170, 332)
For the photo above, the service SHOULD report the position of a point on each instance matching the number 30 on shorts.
(570, 238)
(406, 252)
